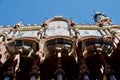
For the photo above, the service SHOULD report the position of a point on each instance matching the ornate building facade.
(60, 49)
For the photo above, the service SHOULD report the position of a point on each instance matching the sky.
(37, 11)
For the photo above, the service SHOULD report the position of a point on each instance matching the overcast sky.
(36, 11)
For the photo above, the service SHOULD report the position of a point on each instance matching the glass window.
(18, 43)
(27, 43)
